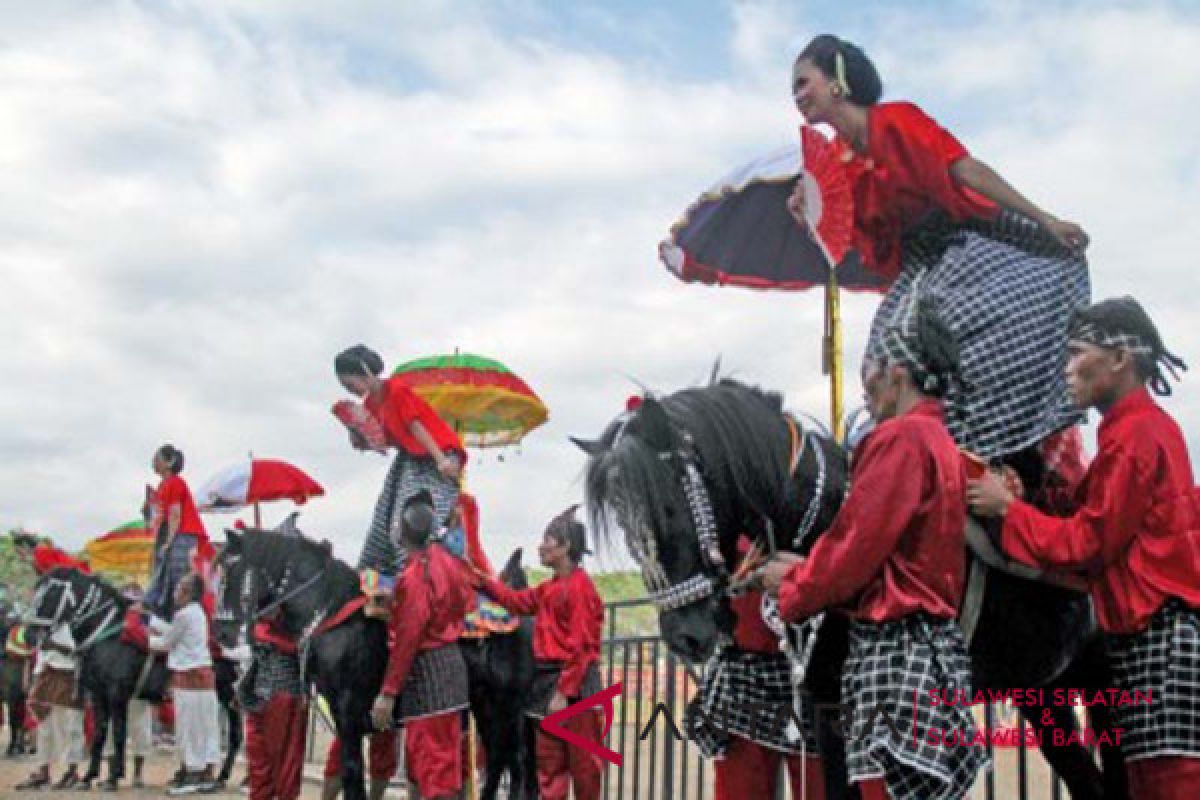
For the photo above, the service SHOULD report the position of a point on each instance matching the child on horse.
(568, 625)
(1134, 535)
(425, 684)
(895, 558)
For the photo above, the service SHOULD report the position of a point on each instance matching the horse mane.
(271, 552)
(732, 428)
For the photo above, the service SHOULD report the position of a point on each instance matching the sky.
(201, 203)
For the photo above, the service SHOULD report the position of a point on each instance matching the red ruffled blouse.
(904, 175)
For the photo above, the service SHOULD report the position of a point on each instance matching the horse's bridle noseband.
(715, 580)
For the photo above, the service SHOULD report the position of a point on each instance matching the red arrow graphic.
(553, 724)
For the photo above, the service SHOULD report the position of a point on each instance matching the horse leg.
(1090, 670)
(350, 731)
(100, 717)
(120, 720)
(234, 743)
(1072, 762)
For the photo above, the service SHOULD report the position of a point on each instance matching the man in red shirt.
(894, 559)
(1135, 533)
(425, 670)
(568, 623)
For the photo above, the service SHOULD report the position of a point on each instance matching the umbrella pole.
(833, 356)
(257, 517)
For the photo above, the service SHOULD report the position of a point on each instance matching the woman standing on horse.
(178, 532)
(429, 454)
(1005, 274)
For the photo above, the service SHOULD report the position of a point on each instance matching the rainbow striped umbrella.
(483, 400)
(127, 549)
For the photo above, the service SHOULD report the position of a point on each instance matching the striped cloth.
(1163, 661)
(407, 476)
(1007, 290)
(895, 668)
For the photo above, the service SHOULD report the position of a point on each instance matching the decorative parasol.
(483, 400)
(127, 549)
(740, 233)
(255, 481)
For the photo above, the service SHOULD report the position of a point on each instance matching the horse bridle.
(93, 603)
(715, 580)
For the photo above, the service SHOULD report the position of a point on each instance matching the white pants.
(197, 730)
(139, 730)
(60, 736)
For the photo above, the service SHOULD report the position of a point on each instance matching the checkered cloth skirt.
(1163, 661)
(545, 683)
(895, 667)
(407, 476)
(270, 671)
(749, 695)
(436, 684)
(1006, 289)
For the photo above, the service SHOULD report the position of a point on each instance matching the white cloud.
(204, 202)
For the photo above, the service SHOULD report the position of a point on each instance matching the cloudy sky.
(201, 203)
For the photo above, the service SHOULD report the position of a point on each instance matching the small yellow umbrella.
(127, 549)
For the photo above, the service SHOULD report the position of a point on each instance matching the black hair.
(567, 530)
(866, 87)
(358, 361)
(195, 587)
(1124, 315)
(173, 457)
(418, 519)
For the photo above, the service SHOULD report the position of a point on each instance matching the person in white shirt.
(60, 730)
(193, 687)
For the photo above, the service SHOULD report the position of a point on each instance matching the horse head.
(233, 590)
(684, 477)
(513, 575)
(65, 596)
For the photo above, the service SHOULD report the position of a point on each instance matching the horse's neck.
(332, 587)
(97, 607)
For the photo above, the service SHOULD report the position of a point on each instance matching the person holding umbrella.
(429, 456)
(1006, 274)
(179, 532)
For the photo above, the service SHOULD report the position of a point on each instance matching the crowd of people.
(985, 341)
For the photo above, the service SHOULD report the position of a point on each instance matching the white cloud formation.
(202, 203)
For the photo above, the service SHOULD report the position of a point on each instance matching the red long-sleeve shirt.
(399, 408)
(1137, 528)
(568, 622)
(897, 544)
(432, 596)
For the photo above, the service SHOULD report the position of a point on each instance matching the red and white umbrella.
(254, 481)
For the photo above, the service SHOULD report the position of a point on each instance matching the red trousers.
(1168, 778)
(433, 755)
(381, 757)
(275, 748)
(561, 765)
(874, 789)
(751, 770)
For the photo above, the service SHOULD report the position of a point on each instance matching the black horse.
(738, 443)
(298, 578)
(684, 477)
(500, 673)
(111, 671)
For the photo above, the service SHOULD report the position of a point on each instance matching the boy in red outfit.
(568, 623)
(1136, 534)
(426, 670)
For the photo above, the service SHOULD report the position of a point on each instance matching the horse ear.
(232, 538)
(514, 561)
(592, 447)
(655, 426)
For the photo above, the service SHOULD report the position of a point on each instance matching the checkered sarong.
(436, 684)
(169, 571)
(1006, 289)
(750, 696)
(896, 667)
(269, 672)
(1164, 661)
(407, 476)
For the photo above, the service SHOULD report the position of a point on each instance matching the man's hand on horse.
(989, 496)
(558, 702)
(776, 570)
(381, 712)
